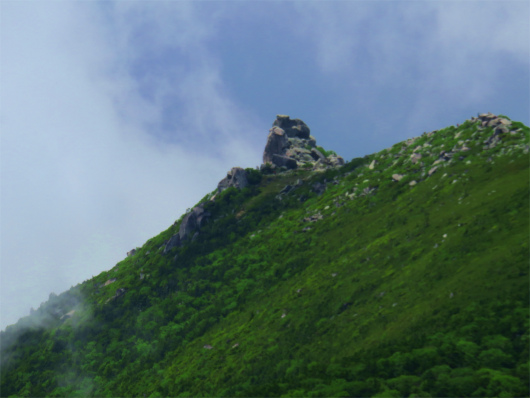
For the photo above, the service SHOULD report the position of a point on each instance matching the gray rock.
(501, 129)
(189, 224)
(237, 177)
(286, 189)
(284, 161)
(174, 241)
(336, 160)
(290, 143)
(317, 155)
(277, 144)
(397, 177)
(293, 128)
(432, 171)
(415, 157)
(131, 253)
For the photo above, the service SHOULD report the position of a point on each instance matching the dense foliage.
(352, 282)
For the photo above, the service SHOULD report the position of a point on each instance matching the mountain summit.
(403, 273)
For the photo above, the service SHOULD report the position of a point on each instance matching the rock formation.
(191, 223)
(290, 145)
(237, 177)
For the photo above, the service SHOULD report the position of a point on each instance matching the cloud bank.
(97, 154)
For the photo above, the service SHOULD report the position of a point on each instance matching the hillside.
(400, 274)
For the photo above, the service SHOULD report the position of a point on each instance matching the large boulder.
(293, 128)
(188, 225)
(192, 221)
(277, 144)
(237, 177)
(284, 161)
(174, 241)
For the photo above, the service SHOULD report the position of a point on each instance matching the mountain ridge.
(389, 244)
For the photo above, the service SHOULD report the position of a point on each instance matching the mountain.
(400, 274)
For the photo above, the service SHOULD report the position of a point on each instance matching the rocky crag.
(290, 145)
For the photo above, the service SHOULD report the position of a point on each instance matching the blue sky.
(117, 116)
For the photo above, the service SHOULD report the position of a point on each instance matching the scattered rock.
(286, 189)
(207, 346)
(119, 292)
(432, 171)
(415, 157)
(109, 282)
(397, 177)
(412, 183)
(372, 165)
(335, 160)
(313, 218)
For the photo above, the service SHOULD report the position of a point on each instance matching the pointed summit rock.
(290, 145)
(293, 128)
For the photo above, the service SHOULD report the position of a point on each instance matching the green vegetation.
(372, 287)
(326, 153)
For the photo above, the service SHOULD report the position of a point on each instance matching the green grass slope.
(404, 273)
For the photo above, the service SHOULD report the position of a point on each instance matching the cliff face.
(402, 273)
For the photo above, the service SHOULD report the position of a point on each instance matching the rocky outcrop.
(277, 144)
(293, 128)
(237, 177)
(174, 241)
(284, 161)
(290, 145)
(189, 227)
(119, 292)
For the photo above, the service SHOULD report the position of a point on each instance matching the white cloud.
(85, 176)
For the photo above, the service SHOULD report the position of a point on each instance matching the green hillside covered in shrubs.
(400, 274)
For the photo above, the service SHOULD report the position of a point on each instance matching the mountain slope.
(403, 273)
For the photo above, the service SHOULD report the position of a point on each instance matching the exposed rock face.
(293, 128)
(237, 177)
(290, 145)
(277, 144)
(174, 241)
(284, 161)
(191, 223)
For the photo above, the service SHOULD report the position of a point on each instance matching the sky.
(117, 116)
